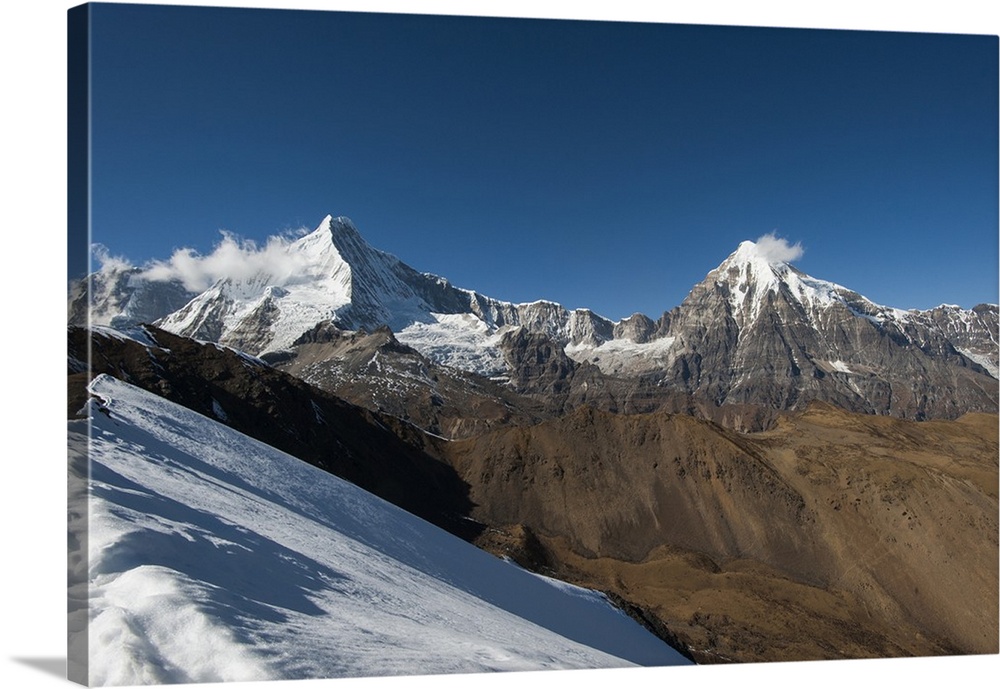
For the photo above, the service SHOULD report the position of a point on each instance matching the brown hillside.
(833, 535)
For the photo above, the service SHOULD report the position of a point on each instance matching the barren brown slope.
(834, 535)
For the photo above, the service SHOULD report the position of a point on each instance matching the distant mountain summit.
(335, 275)
(121, 297)
(762, 331)
(755, 331)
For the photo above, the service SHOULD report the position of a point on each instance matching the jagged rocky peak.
(638, 328)
(586, 327)
(121, 296)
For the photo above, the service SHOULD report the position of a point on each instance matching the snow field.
(214, 557)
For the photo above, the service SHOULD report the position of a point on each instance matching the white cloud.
(778, 250)
(233, 258)
(107, 262)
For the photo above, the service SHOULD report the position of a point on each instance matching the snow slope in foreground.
(214, 557)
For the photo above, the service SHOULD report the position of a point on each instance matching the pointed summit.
(762, 268)
(337, 247)
(765, 260)
(316, 241)
(748, 275)
(331, 274)
(325, 234)
(750, 260)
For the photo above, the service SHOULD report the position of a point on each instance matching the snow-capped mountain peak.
(318, 243)
(329, 274)
(335, 240)
(753, 275)
(749, 274)
(748, 268)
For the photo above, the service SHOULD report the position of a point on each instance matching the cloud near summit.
(777, 250)
(233, 258)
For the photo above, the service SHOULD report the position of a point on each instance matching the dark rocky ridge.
(377, 452)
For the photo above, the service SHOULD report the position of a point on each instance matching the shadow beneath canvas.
(50, 665)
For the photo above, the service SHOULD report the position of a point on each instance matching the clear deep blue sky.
(601, 165)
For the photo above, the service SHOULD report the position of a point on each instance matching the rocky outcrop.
(123, 297)
(638, 328)
(376, 371)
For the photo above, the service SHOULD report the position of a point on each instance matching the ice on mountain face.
(462, 341)
(623, 356)
(983, 360)
(750, 275)
(470, 342)
(214, 557)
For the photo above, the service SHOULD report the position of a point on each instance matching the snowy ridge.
(275, 569)
(136, 334)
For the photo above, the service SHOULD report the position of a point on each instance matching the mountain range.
(754, 333)
(775, 469)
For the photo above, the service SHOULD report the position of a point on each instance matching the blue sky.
(601, 165)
